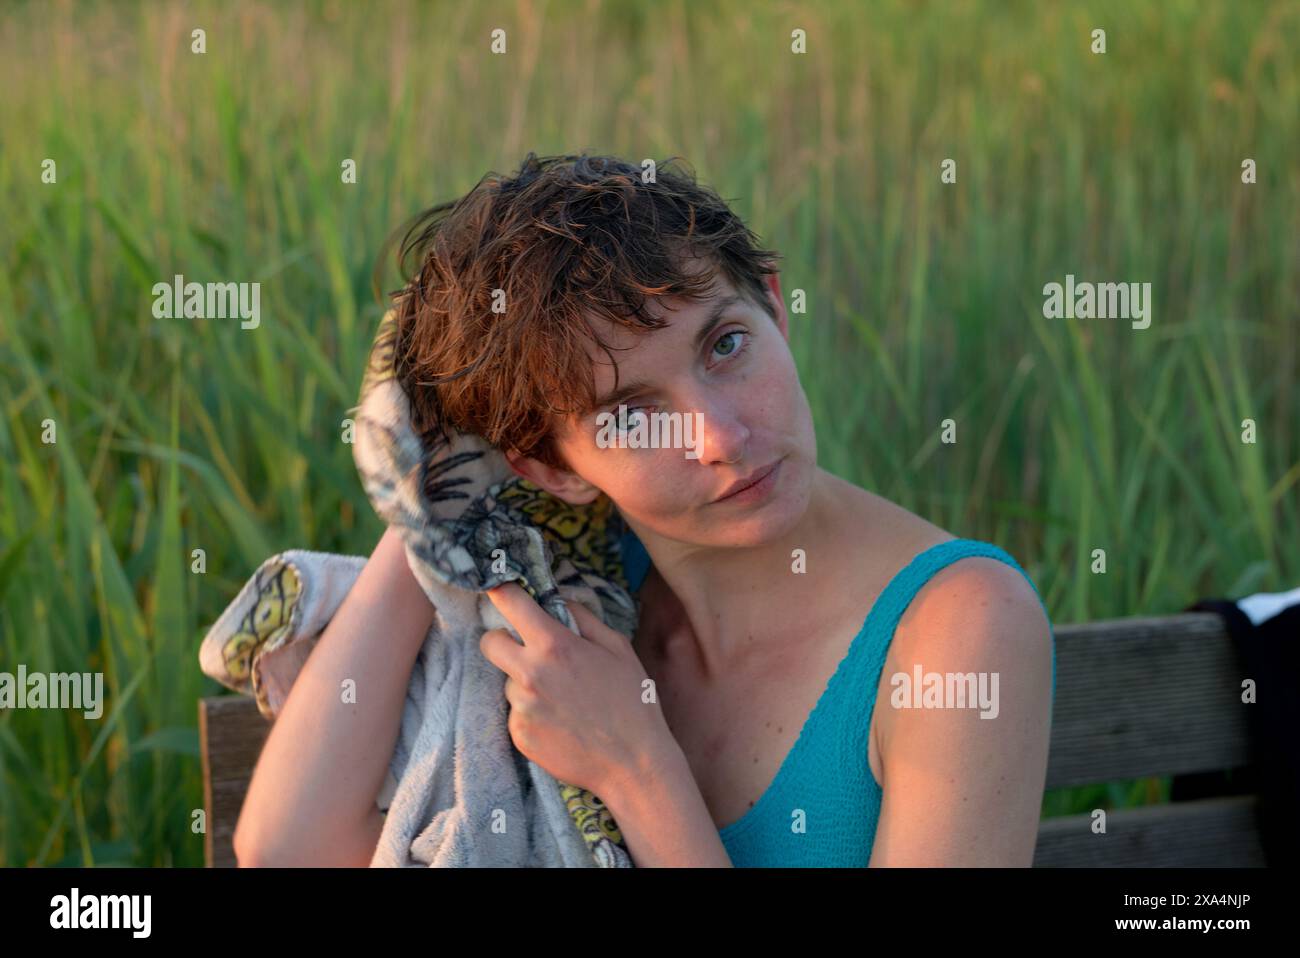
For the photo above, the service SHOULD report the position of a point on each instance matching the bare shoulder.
(977, 609)
(973, 600)
(972, 588)
(977, 614)
(978, 590)
(896, 534)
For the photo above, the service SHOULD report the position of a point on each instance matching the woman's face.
(726, 365)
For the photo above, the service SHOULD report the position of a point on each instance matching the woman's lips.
(757, 490)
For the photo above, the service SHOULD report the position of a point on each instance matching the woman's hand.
(576, 704)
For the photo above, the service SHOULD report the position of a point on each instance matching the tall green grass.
(924, 301)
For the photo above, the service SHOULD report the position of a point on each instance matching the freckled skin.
(744, 382)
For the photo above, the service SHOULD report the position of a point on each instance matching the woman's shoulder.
(888, 530)
(969, 604)
(960, 585)
(896, 536)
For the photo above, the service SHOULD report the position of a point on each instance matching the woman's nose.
(721, 436)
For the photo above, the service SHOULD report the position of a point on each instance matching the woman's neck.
(722, 601)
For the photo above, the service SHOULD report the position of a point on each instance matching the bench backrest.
(1135, 698)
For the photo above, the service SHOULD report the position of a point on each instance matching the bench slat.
(1208, 833)
(231, 734)
(1141, 697)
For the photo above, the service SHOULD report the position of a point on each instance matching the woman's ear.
(561, 483)
(773, 282)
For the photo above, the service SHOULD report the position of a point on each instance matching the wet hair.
(564, 239)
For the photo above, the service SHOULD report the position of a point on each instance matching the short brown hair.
(564, 236)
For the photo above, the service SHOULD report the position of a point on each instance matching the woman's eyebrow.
(630, 389)
(622, 392)
(715, 317)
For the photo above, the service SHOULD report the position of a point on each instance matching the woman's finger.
(522, 611)
(500, 648)
(590, 627)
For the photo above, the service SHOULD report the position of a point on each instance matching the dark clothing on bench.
(1270, 655)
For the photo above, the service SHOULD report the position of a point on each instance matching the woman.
(819, 677)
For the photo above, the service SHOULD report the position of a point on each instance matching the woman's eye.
(730, 344)
(629, 416)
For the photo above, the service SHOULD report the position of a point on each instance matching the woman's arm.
(663, 818)
(961, 790)
(312, 798)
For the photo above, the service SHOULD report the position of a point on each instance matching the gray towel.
(458, 793)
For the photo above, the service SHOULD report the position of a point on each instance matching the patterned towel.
(458, 793)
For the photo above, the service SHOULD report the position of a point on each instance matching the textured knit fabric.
(826, 774)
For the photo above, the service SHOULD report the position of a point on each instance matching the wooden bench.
(1135, 698)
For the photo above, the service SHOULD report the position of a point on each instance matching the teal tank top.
(826, 774)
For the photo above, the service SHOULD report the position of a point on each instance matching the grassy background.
(924, 301)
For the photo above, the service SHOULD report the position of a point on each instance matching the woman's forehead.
(680, 315)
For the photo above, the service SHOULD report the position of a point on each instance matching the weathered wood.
(1209, 833)
(1143, 697)
(231, 734)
